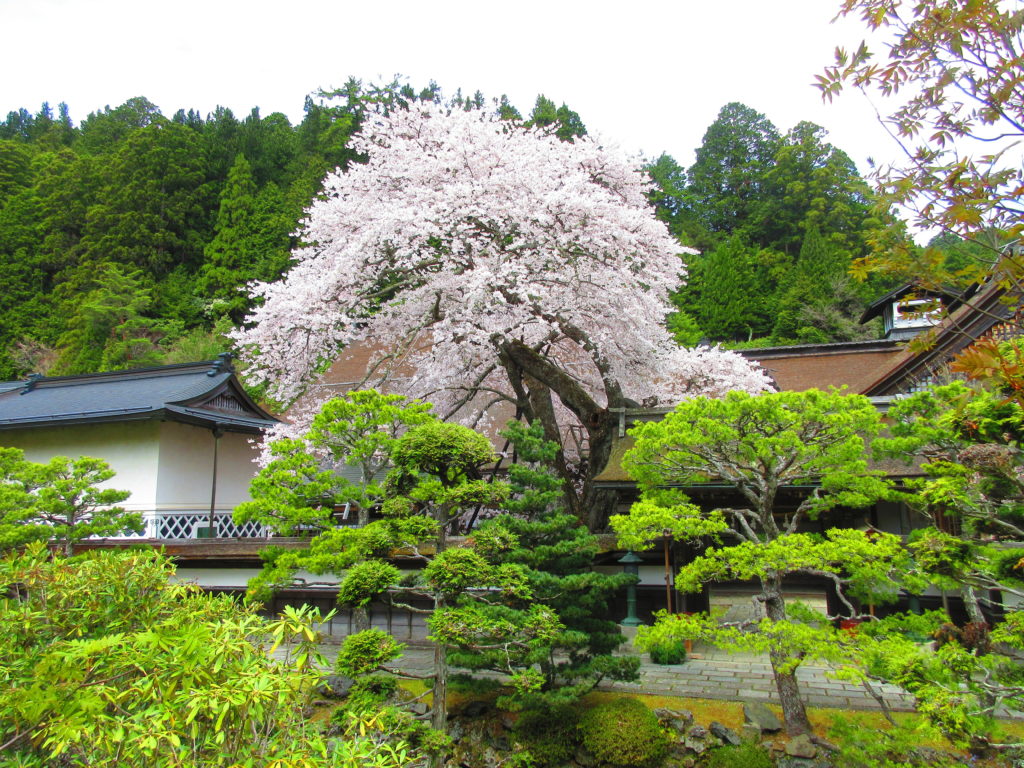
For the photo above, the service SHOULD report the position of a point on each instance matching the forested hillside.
(124, 240)
(778, 218)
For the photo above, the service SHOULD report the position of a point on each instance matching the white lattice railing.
(194, 525)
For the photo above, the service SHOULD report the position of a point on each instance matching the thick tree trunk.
(535, 380)
(360, 618)
(600, 505)
(439, 713)
(540, 408)
(439, 706)
(971, 605)
(591, 505)
(794, 714)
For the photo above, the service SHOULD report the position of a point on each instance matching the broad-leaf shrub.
(107, 663)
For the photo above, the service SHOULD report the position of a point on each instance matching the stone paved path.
(713, 674)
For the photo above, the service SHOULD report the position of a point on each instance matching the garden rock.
(727, 735)
(456, 731)
(697, 740)
(335, 686)
(585, 758)
(491, 758)
(696, 746)
(676, 719)
(825, 744)
(801, 746)
(475, 748)
(697, 732)
(750, 732)
(799, 762)
(475, 709)
(757, 713)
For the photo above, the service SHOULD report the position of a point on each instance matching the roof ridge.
(821, 345)
(130, 373)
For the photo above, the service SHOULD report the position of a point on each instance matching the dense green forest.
(124, 240)
(778, 218)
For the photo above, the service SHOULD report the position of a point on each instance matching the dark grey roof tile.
(122, 395)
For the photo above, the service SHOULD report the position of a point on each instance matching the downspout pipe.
(218, 431)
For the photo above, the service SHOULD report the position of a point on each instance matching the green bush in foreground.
(108, 664)
(623, 732)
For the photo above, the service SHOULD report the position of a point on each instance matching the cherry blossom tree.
(497, 264)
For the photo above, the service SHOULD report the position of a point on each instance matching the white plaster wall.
(239, 577)
(131, 448)
(216, 577)
(186, 468)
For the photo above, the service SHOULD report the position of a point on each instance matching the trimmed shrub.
(668, 651)
(742, 756)
(368, 694)
(550, 735)
(623, 732)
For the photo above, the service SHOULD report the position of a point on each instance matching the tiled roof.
(190, 392)
(853, 364)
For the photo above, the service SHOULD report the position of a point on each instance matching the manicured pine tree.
(966, 441)
(556, 553)
(757, 445)
(60, 500)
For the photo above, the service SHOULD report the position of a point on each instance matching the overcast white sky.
(649, 75)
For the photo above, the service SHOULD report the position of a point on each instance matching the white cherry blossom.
(494, 263)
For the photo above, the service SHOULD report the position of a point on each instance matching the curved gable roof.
(973, 320)
(205, 393)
